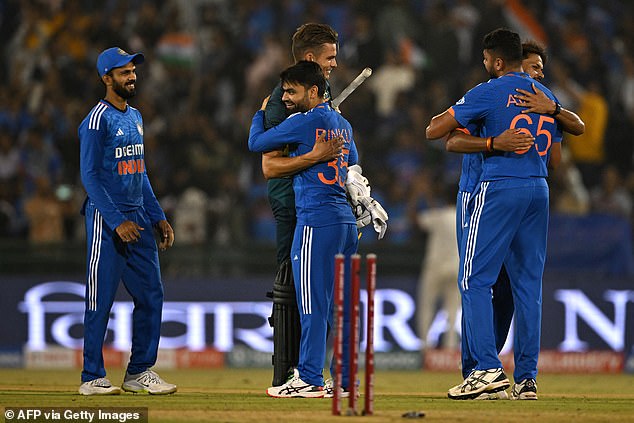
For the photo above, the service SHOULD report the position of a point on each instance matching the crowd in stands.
(209, 64)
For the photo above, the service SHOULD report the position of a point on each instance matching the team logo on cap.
(122, 52)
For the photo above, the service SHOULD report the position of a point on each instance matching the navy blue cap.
(114, 57)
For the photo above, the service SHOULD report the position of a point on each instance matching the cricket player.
(325, 223)
(318, 43)
(534, 59)
(121, 215)
(507, 217)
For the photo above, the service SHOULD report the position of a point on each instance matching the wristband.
(490, 144)
(557, 109)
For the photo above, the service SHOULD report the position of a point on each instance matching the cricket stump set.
(355, 283)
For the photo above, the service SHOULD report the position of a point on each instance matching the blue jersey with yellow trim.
(112, 163)
(492, 106)
(320, 197)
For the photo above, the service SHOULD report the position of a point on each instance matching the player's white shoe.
(295, 387)
(478, 382)
(148, 381)
(491, 396)
(329, 389)
(525, 390)
(100, 386)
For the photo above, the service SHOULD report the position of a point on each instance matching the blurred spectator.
(465, 18)
(207, 62)
(569, 195)
(360, 50)
(265, 67)
(228, 216)
(14, 115)
(611, 197)
(149, 25)
(393, 77)
(73, 24)
(45, 214)
(405, 156)
(629, 186)
(39, 159)
(437, 283)
(261, 221)
(626, 88)
(588, 149)
(400, 226)
(9, 158)
(8, 214)
(394, 22)
(619, 140)
(190, 217)
(440, 42)
(492, 15)
(10, 187)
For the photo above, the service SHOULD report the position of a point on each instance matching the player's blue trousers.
(110, 261)
(312, 256)
(508, 224)
(502, 298)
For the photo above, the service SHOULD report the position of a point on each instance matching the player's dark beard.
(122, 91)
(302, 106)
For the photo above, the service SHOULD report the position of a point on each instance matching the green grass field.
(237, 395)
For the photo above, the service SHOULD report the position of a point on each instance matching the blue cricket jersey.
(322, 184)
(471, 164)
(493, 107)
(112, 163)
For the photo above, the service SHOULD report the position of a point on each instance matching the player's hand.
(166, 233)
(514, 139)
(128, 231)
(327, 150)
(378, 214)
(537, 102)
(265, 102)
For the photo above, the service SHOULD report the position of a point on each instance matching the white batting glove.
(362, 214)
(356, 184)
(377, 213)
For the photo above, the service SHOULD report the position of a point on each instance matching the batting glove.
(377, 213)
(357, 185)
(363, 216)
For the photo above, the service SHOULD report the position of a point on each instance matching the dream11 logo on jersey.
(130, 166)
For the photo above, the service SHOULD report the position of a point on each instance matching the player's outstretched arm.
(277, 137)
(441, 125)
(510, 140)
(276, 165)
(538, 102)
